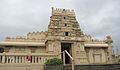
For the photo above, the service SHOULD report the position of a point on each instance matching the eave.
(96, 45)
(21, 44)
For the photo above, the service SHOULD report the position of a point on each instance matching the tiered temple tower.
(64, 32)
(63, 23)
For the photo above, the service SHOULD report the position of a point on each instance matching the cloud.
(96, 17)
(100, 18)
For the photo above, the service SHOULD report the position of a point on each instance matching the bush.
(54, 61)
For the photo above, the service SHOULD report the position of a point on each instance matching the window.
(66, 33)
(1, 50)
(65, 24)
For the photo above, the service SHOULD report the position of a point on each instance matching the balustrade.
(24, 58)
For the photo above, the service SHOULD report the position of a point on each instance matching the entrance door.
(66, 46)
(97, 58)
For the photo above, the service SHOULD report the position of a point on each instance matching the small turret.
(109, 39)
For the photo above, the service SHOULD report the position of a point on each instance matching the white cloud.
(96, 17)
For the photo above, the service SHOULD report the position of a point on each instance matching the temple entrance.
(66, 46)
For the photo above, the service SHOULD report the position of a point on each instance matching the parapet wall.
(59, 11)
(31, 37)
(37, 35)
(89, 39)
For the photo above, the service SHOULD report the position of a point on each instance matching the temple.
(64, 33)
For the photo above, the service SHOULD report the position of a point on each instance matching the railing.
(65, 51)
(23, 58)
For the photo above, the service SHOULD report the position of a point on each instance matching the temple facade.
(64, 33)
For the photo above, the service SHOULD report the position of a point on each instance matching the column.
(42, 60)
(3, 59)
(13, 59)
(32, 59)
(16, 59)
(25, 59)
(19, 59)
(22, 59)
(10, 59)
(7, 58)
(39, 59)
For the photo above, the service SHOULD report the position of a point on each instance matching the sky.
(97, 18)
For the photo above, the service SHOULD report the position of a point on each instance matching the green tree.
(54, 61)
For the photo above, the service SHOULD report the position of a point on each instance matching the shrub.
(54, 61)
